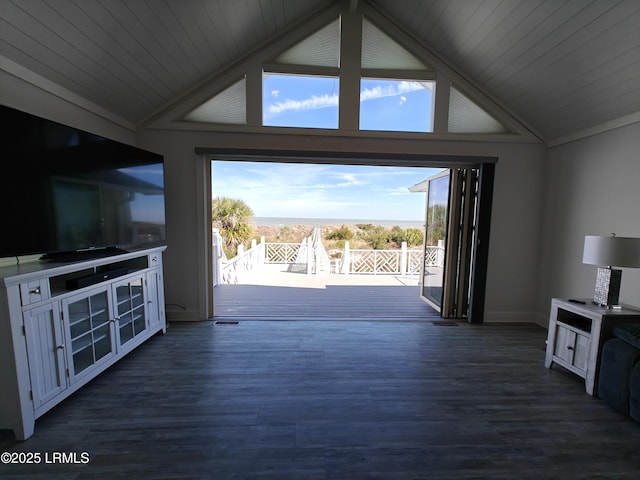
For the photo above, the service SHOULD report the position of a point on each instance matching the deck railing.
(281, 252)
(311, 254)
(388, 262)
(236, 269)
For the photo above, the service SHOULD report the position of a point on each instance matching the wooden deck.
(275, 292)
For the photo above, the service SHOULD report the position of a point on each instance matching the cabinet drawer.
(34, 291)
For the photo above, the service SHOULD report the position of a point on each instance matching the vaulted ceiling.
(559, 66)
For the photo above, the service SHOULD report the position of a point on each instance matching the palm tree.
(232, 217)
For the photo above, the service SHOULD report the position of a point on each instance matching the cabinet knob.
(35, 291)
(61, 347)
(569, 347)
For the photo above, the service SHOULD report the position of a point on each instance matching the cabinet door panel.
(131, 309)
(90, 330)
(581, 352)
(45, 348)
(565, 340)
(155, 298)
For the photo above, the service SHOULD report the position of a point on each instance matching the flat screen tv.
(66, 191)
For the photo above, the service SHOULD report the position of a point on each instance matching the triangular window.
(321, 49)
(380, 51)
(228, 106)
(465, 116)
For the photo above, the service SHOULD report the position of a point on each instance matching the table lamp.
(607, 252)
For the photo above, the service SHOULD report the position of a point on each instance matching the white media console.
(61, 324)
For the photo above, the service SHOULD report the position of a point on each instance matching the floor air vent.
(226, 323)
(444, 323)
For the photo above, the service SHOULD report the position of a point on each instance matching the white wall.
(593, 189)
(512, 278)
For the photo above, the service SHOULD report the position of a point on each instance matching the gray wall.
(512, 281)
(593, 189)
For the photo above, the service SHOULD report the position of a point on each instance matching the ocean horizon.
(319, 222)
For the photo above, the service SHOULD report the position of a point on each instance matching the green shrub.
(365, 226)
(413, 236)
(378, 237)
(341, 233)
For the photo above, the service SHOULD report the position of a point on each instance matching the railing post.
(316, 250)
(240, 250)
(440, 254)
(217, 257)
(263, 250)
(346, 259)
(309, 255)
(403, 258)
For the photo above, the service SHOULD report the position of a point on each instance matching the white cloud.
(393, 90)
(275, 93)
(312, 103)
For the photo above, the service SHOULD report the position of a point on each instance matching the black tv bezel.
(97, 149)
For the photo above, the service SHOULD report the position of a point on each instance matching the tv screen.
(66, 190)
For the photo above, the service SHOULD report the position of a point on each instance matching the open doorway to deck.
(302, 295)
(329, 240)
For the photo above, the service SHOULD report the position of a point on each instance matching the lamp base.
(607, 291)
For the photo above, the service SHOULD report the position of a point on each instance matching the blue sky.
(323, 191)
(312, 102)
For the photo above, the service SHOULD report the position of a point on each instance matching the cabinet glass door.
(130, 309)
(89, 329)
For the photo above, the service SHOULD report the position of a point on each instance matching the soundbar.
(76, 283)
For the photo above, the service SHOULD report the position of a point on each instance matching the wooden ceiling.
(560, 67)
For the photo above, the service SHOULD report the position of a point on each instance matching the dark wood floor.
(335, 400)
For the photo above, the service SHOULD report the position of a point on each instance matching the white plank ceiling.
(560, 66)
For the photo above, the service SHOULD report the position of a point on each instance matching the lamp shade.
(611, 251)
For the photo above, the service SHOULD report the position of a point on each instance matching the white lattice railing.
(281, 252)
(434, 256)
(389, 262)
(310, 252)
(377, 262)
(414, 257)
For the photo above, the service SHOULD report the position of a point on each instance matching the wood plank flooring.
(335, 400)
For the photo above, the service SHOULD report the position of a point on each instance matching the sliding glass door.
(450, 241)
(431, 284)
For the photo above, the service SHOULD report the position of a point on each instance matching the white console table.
(61, 324)
(577, 331)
